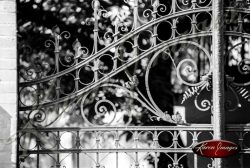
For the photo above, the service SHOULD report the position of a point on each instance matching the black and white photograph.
(124, 84)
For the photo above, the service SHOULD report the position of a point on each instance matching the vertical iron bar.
(17, 105)
(78, 147)
(18, 122)
(175, 141)
(195, 161)
(194, 24)
(37, 159)
(117, 146)
(57, 39)
(117, 157)
(136, 146)
(241, 139)
(56, 51)
(195, 140)
(155, 5)
(58, 147)
(218, 75)
(174, 6)
(117, 47)
(96, 64)
(136, 25)
(156, 145)
(97, 147)
(174, 28)
(194, 17)
(76, 74)
(156, 160)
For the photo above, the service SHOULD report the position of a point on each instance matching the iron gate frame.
(82, 57)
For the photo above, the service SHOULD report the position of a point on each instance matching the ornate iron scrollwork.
(99, 80)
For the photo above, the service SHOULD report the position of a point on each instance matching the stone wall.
(8, 82)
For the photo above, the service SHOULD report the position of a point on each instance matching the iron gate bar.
(127, 150)
(192, 127)
(238, 127)
(237, 34)
(218, 109)
(230, 9)
(195, 128)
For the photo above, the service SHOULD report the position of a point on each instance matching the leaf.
(56, 30)
(76, 45)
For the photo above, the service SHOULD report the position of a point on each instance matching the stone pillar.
(8, 80)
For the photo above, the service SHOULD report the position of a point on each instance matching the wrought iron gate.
(110, 92)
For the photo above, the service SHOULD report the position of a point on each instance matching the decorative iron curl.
(164, 116)
(211, 165)
(196, 90)
(184, 4)
(175, 166)
(38, 117)
(84, 52)
(103, 12)
(176, 161)
(123, 27)
(49, 43)
(36, 70)
(189, 69)
(202, 82)
(67, 58)
(65, 34)
(147, 13)
(109, 35)
(88, 21)
(204, 106)
(30, 72)
(161, 8)
(244, 66)
(99, 110)
(204, 2)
